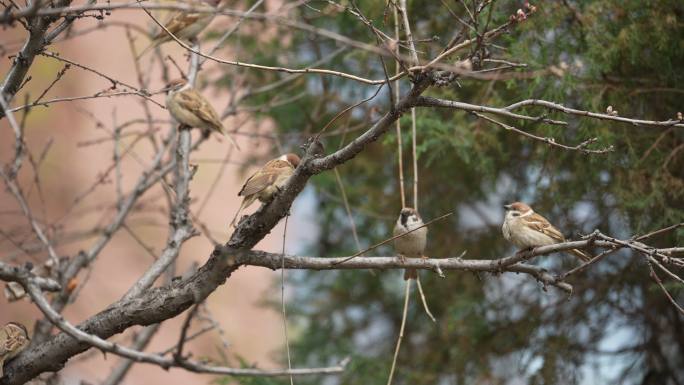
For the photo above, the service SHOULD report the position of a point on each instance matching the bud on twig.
(520, 15)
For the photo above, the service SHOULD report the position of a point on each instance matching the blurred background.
(617, 327)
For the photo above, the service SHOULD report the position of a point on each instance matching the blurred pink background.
(254, 331)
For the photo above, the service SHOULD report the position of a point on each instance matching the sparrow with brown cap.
(13, 339)
(268, 180)
(411, 245)
(188, 107)
(183, 25)
(526, 229)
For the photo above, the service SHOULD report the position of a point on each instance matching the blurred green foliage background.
(618, 327)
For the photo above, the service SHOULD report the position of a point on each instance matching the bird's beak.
(507, 207)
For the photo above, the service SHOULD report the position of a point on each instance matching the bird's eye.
(516, 214)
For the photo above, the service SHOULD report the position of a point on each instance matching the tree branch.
(572, 111)
(20, 273)
(36, 42)
(426, 101)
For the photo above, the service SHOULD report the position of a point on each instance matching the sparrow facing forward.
(411, 245)
(526, 229)
(13, 339)
(268, 180)
(190, 108)
(184, 25)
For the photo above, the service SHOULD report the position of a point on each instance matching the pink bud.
(521, 15)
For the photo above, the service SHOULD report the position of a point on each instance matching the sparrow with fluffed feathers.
(190, 108)
(183, 25)
(411, 245)
(268, 180)
(526, 229)
(13, 339)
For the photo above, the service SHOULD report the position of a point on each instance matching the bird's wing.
(13, 343)
(188, 99)
(265, 177)
(539, 223)
(193, 101)
(178, 22)
(398, 229)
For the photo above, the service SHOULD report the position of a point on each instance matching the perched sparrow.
(264, 183)
(527, 229)
(411, 245)
(184, 25)
(189, 108)
(13, 339)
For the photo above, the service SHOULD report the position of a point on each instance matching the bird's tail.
(232, 223)
(155, 42)
(230, 138)
(245, 203)
(144, 51)
(581, 255)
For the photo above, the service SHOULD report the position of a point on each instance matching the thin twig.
(229, 32)
(339, 114)
(582, 147)
(264, 67)
(282, 302)
(347, 209)
(573, 111)
(401, 330)
(664, 289)
(423, 300)
(660, 231)
(178, 355)
(400, 156)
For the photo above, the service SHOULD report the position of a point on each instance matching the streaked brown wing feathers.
(188, 99)
(178, 22)
(539, 223)
(193, 101)
(264, 177)
(257, 182)
(14, 342)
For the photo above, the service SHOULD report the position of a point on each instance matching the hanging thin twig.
(401, 330)
(398, 124)
(422, 298)
(347, 209)
(282, 302)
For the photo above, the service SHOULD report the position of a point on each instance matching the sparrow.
(526, 229)
(268, 180)
(13, 339)
(188, 107)
(411, 245)
(184, 25)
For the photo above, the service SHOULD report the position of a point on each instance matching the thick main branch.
(159, 304)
